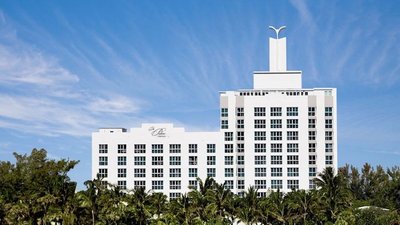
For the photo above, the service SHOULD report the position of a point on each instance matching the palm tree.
(89, 199)
(139, 203)
(183, 211)
(249, 207)
(334, 192)
(158, 203)
(221, 200)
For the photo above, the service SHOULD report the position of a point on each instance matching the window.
(276, 135)
(157, 148)
(157, 160)
(193, 160)
(276, 159)
(260, 184)
(103, 173)
(312, 172)
(192, 172)
(122, 172)
(211, 172)
(276, 123)
(122, 184)
(311, 123)
(121, 160)
(328, 147)
(292, 172)
(140, 160)
(328, 111)
(276, 111)
(292, 123)
(175, 160)
(192, 148)
(211, 160)
(122, 148)
(276, 147)
(260, 159)
(240, 172)
(140, 172)
(210, 148)
(240, 159)
(228, 184)
(292, 159)
(103, 161)
(276, 184)
(240, 124)
(312, 184)
(329, 160)
(228, 136)
(312, 159)
(328, 135)
(258, 124)
(240, 136)
(228, 148)
(139, 148)
(311, 111)
(103, 148)
(228, 172)
(276, 172)
(292, 147)
(260, 136)
(328, 123)
(157, 172)
(157, 184)
(224, 112)
(228, 160)
(260, 172)
(259, 111)
(175, 172)
(311, 135)
(174, 195)
(292, 135)
(240, 184)
(292, 111)
(239, 111)
(293, 184)
(139, 184)
(174, 148)
(311, 147)
(240, 148)
(175, 184)
(260, 147)
(224, 124)
(193, 184)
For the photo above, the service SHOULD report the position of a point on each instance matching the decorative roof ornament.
(277, 30)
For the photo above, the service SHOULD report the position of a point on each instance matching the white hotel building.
(277, 135)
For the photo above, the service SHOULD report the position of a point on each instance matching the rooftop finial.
(277, 30)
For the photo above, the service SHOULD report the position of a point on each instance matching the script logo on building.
(157, 132)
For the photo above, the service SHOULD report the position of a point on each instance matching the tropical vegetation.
(37, 190)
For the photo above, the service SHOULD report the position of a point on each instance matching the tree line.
(37, 190)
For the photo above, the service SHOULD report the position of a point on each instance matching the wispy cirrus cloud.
(39, 95)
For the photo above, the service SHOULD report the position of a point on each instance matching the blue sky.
(70, 67)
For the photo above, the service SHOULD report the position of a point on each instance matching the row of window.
(211, 160)
(229, 172)
(276, 123)
(277, 111)
(156, 148)
(228, 184)
(277, 135)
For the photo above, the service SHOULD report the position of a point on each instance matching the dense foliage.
(37, 190)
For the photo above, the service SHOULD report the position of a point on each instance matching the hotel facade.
(277, 135)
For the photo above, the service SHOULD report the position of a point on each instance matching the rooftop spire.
(277, 51)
